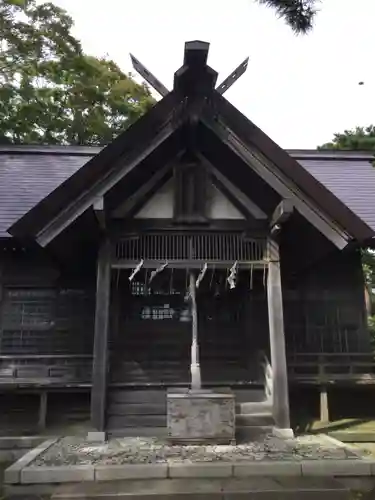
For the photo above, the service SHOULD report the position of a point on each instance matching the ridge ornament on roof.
(161, 89)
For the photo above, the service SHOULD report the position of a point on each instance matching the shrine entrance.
(151, 333)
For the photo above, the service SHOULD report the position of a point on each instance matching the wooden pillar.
(324, 408)
(42, 417)
(195, 370)
(277, 337)
(100, 359)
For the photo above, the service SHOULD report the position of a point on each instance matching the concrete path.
(277, 488)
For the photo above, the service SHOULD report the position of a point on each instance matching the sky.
(300, 90)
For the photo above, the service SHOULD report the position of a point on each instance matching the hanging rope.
(264, 276)
(171, 283)
(212, 277)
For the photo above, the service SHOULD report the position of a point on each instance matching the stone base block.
(204, 416)
(96, 437)
(283, 433)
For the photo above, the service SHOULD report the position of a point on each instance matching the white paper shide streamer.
(136, 270)
(157, 271)
(201, 275)
(232, 275)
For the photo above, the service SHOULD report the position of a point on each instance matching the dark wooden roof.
(196, 117)
(29, 173)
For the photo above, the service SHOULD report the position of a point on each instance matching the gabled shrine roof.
(29, 173)
(44, 190)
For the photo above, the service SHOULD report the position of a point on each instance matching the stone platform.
(70, 460)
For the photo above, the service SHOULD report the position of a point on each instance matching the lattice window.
(205, 246)
(46, 320)
(27, 314)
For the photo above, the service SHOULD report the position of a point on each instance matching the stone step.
(138, 432)
(251, 408)
(255, 419)
(214, 489)
(252, 432)
(123, 421)
(249, 395)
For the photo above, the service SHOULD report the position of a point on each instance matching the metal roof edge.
(330, 154)
(64, 150)
(74, 150)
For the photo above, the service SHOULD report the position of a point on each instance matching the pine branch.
(298, 14)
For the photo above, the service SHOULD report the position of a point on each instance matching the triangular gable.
(171, 125)
(161, 205)
(219, 206)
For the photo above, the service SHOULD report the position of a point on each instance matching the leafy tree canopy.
(298, 14)
(359, 138)
(53, 93)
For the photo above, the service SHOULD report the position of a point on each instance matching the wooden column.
(100, 360)
(195, 370)
(42, 417)
(324, 408)
(277, 337)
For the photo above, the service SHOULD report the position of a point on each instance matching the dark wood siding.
(41, 313)
(324, 307)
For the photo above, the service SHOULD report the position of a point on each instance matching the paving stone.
(12, 474)
(247, 484)
(336, 468)
(130, 471)
(284, 488)
(62, 474)
(359, 483)
(200, 470)
(289, 495)
(264, 468)
(193, 489)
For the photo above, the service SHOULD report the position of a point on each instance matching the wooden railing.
(323, 368)
(45, 368)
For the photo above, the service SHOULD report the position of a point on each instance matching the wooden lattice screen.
(46, 321)
(225, 247)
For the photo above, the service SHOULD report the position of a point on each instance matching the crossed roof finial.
(195, 55)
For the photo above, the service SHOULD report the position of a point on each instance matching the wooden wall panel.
(40, 313)
(324, 308)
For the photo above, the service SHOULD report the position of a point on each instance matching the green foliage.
(298, 14)
(53, 93)
(360, 138)
(368, 262)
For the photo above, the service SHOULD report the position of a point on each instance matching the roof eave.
(60, 201)
(328, 203)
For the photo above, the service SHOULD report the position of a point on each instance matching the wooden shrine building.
(100, 249)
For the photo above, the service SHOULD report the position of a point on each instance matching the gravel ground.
(74, 451)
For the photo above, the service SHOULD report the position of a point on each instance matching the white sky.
(299, 90)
